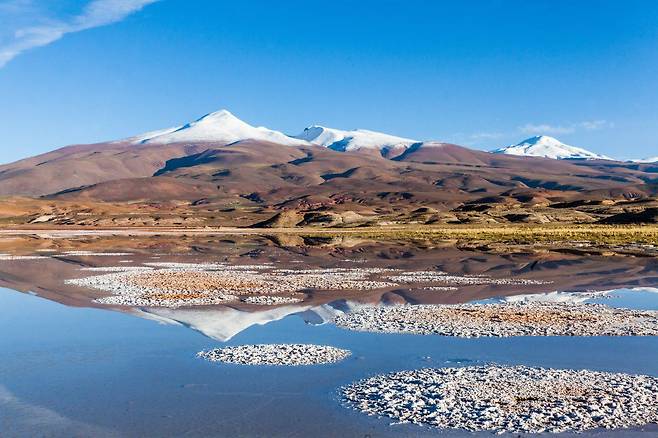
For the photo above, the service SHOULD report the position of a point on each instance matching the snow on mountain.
(220, 323)
(549, 147)
(141, 138)
(646, 160)
(223, 323)
(355, 140)
(220, 126)
(553, 297)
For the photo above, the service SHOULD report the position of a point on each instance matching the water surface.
(69, 367)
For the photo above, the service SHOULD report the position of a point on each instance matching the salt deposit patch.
(206, 266)
(509, 399)
(505, 319)
(97, 254)
(464, 280)
(270, 300)
(115, 268)
(555, 297)
(276, 354)
(182, 284)
(174, 284)
(171, 300)
(9, 257)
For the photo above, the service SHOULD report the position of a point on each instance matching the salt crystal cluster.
(464, 280)
(502, 319)
(9, 257)
(271, 300)
(515, 399)
(189, 284)
(276, 354)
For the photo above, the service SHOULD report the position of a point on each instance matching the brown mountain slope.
(272, 174)
(256, 179)
(81, 165)
(150, 189)
(250, 166)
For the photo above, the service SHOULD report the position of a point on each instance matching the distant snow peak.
(219, 126)
(549, 147)
(646, 160)
(355, 140)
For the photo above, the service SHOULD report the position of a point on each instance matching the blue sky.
(480, 73)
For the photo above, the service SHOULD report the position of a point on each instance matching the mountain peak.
(549, 147)
(221, 116)
(543, 139)
(217, 127)
(357, 139)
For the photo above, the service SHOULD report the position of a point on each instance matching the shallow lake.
(69, 367)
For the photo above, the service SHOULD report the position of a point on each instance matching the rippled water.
(71, 370)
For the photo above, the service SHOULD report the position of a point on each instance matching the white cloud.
(486, 136)
(530, 128)
(545, 128)
(26, 419)
(593, 125)
(47, 30)
(474, 138)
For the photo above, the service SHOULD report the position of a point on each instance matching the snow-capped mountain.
(355, 140)
(223, 323)
(549, 147)
(646, 160)
(223, 127)
(220, 126)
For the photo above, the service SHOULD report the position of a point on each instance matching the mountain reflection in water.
(132, 371)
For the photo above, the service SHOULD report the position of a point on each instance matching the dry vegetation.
(600, 234)
(33, 214)
(570, 235)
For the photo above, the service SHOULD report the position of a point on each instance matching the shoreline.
(585, 240)
(463, 231)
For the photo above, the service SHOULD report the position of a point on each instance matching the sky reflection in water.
(102, 373)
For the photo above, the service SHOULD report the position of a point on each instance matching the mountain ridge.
(224, 127)
(206, 172)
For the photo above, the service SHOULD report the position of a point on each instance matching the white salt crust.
(276, 354)
(189, 284)
(502, 320)
(515, 399)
